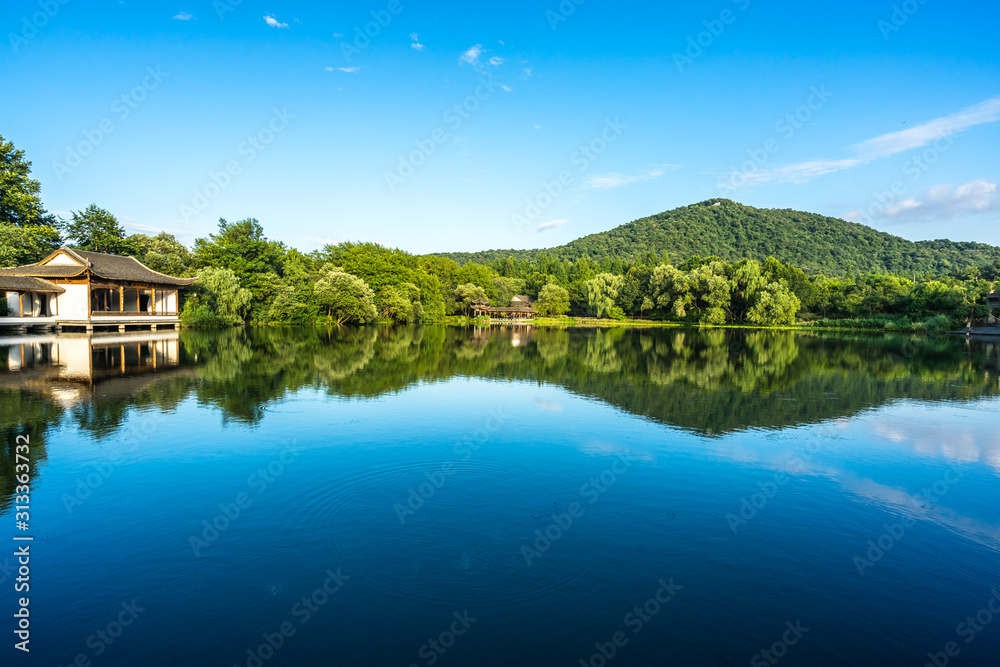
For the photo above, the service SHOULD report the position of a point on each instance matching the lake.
(440, 496)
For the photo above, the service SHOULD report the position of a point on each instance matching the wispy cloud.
(415, 42)
(616, 180)
(551, 224)
(496, 61)
(471, 55)
(349, 70)
(184, 16)
(273, 22)
(338, 34)
(883, 146)
(942, 202)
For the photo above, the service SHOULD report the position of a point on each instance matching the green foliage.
(162, 253)
(602, 290)
(552, 300)
(242, 248)
(27, 244)
(20, 200)
(97, 230)
(814, 243)
(217, 299)
(466, 294)
(345, 297)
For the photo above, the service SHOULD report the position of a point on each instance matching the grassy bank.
(904, 325)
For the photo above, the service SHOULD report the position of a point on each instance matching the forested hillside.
(731, 231)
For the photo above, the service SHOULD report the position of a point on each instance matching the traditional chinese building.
(520, 310)
(80, 289)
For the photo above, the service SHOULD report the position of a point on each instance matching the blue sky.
(467, 126)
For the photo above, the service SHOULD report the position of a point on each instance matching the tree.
(162, 253)
(218, 299)
(602, 290)
(775, 304)
(242, 248)
(466, 294)
(552, 300)
(345, 298)
(97, 230)
(20, 200)
(28, 244)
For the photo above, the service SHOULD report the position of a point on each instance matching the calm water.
(446, 497)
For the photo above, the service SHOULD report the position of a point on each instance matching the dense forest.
(814, 243)
(713, 263)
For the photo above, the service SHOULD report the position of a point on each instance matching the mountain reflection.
(711, 381)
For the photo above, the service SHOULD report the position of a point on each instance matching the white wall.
(13, 309)
(75, 303)
(63, 258)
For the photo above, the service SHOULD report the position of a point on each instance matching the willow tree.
(602, 291)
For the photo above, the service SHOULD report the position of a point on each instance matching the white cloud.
(882, 146)
(349, 70)
(273, 22)
(471, 55)
(616, 180)
(416, 42)
(551, 224)
(184, 16)
(496, 61)
(527, 71)
(922, 135)
(506, 88)
(945, 202)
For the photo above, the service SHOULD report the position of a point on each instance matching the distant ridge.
(815, 243)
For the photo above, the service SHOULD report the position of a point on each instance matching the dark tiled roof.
(27, 284)
(48, 271)
(111, 267)
(116, 267)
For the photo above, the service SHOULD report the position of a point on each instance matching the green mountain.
(815, 243)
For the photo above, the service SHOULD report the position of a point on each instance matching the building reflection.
(68, 367)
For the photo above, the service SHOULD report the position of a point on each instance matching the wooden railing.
(111, 313)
